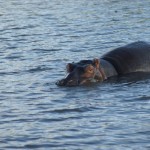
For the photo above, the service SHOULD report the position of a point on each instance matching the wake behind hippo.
(131, 58)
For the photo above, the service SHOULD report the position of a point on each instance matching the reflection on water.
(38, 38)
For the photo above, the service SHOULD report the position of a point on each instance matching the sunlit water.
(37, 39)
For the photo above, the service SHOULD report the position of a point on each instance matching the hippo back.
(134, 57)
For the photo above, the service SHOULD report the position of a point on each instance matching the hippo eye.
(89, 69)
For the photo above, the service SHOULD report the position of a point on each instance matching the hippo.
(131, 58)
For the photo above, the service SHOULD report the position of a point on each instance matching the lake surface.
(37, 39)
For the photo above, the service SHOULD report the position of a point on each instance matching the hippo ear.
(96, 62)
(70, 67)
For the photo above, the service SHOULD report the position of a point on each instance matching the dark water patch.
(74, 36)
(59, 119)
(12, 47)
(59, 35)
(62, 25)
(59, 60)
(71, 110)
(146, 133)
(38, 69)
(51, 18)
(13, 57)
(7, 92)
(10, 73)
(143, 97)
(35, 96)
(43, 145)
(16, 121)
(47, 50)
(26, 35)
(23, 35)
(30, 26)
(13, 147)
(4, 39)
(113, 42)
(8, 115)
(76, 50)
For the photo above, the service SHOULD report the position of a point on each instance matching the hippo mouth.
(63, 82)
(83, 74)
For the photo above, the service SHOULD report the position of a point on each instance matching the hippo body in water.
(134, 57)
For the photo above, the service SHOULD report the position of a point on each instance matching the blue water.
(37, 39)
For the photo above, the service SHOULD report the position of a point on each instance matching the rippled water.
(38, 38)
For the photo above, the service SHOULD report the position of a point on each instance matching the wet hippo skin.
(134, 57)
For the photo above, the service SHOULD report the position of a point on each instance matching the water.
(38, 38)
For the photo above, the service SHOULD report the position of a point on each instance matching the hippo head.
(83, 72)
